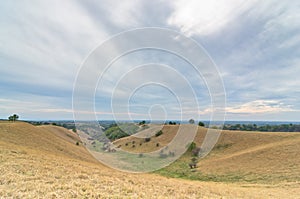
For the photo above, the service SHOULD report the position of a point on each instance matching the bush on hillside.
(158, 133)
(196, 151)
(201, 124)
(191, 146)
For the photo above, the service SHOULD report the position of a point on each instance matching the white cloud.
(205, 17)
(30, 106)
(257, 43)
(50, 40)
(260, 106)
(124, 13)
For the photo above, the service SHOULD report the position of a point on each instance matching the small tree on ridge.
(13, 117)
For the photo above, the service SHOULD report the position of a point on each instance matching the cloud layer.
(255, 44)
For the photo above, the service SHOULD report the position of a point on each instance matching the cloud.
(31, 107)
(205, 17)
(260, 106)
(43, 45)
(124, 14)
(255, 44)
(258, 53)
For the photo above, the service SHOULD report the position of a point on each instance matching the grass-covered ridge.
(238, 156)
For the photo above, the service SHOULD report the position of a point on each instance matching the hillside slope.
(271, 157)
(239, 156)
(45, 162)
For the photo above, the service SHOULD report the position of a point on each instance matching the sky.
(254, 45)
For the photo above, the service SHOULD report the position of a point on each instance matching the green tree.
(13, 117)
(142, 122)
(192, 121)
(201, 123)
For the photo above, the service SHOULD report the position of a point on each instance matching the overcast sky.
(254, 44)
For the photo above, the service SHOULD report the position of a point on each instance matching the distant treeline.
(65, 124)
(113, 131)
(264, 128)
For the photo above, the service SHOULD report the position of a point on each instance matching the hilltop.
(45, 161)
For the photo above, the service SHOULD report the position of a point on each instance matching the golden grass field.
(45, 162)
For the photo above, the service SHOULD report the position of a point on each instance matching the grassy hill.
(238, 156)
(45, 162)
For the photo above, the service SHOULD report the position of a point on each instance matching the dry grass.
(259, 157)
(141, 146)
(256, 157)
(44, 162)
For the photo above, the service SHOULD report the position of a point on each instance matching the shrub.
(192, 121)
(158, 133)
(201, 124)
(142, 122)
(141, 155)
(196, 151)
(193, 163)
(157, 144)
(77, 143)
(191, 146)
(147, 139)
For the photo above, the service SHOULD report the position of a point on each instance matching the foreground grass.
(180, 169)
(30, 173)
(238, 157)
(43, 163)
(236, 168)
